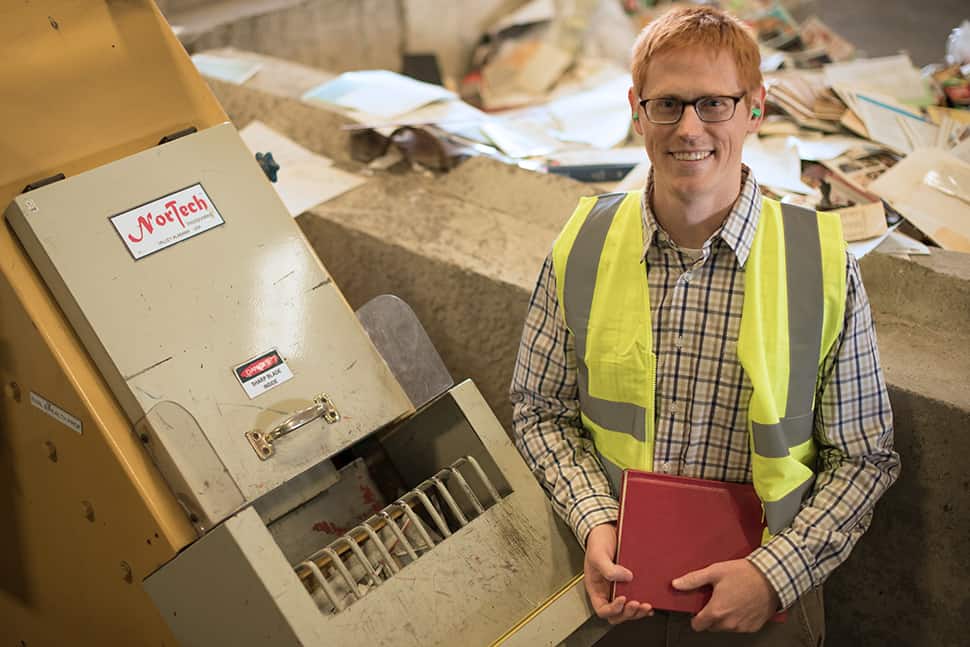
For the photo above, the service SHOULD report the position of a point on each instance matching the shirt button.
(665, 468)
(687, 276)
(674, 408)
(679, 341)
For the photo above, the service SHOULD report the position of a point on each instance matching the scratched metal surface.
(171, 326)
(470, 589)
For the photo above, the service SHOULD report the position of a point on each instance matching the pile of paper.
(861, 137)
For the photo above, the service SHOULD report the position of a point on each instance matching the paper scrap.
(599, 116)
(943, 217)
(860, 248)
(305, 179)
(894, 76)
(775, 163)
(825, 148)
(232, 70)
(863, 221)
(377, 92)
(899, 244)
(519, 139)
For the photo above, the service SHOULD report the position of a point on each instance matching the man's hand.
(600, 572)
(742, 601)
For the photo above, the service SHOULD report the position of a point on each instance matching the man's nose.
(690, 125)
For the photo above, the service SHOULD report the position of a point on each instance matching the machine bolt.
(88, 510)
(13, 390)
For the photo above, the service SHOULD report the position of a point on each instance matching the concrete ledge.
(906, 581)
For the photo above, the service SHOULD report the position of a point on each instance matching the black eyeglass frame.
(692, 104)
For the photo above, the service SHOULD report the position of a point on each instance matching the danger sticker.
(166, 221)
(260, 374)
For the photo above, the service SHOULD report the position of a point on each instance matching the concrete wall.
(339, 35)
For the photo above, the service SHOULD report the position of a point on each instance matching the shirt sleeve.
(546, 424)
(856, 461)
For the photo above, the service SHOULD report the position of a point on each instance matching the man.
(699, 329)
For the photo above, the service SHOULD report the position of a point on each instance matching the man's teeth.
(690, 157)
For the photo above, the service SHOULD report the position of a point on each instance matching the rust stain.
(330, 528)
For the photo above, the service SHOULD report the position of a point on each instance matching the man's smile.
(691, 156)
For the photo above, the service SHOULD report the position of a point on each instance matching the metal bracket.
(322, 407)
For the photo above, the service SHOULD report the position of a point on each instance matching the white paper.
(519, 139)
(233, 70)
(860, 248)
(891, 123)
(599, 116)
(962, 151)
(898, 243)
(825, 148)
(775, 163)
(305, 179)
(377, 92)
(626, 155)
(893, 76)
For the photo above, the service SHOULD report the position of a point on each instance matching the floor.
(884, 27)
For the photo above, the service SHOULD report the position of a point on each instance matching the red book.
(672, 525)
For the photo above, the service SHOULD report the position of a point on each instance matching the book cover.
(672, 525)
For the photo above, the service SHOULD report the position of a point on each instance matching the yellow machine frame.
(86, 515)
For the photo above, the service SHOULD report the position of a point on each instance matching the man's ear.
(756, 109)
(634, 100)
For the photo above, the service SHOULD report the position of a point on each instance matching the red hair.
(703, 27)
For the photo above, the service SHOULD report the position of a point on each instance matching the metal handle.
(322, 407)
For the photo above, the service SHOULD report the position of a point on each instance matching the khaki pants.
(804, 627)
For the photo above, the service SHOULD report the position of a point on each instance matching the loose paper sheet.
(929, 188)
(894, 76)
(775, 163)
(377, 92)
(233, 70)
(305, 179)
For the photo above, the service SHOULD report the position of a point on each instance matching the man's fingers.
(609, 610)
(631, 611)
(608, 570)
(704, 620)
(696, 579)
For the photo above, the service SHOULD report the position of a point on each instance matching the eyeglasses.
(667, 110)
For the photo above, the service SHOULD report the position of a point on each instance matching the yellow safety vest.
(794, 307)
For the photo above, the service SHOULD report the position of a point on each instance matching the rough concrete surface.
(334, 35)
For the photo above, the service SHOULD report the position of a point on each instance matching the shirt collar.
(738, 228)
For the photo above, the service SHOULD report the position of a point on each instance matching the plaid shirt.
(701, 401)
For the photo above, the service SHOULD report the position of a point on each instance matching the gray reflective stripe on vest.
(803, 261)
(579, 282)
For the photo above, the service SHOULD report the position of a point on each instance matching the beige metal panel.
(171, 326)
(247, 594)
(567, 617)
(475, 584)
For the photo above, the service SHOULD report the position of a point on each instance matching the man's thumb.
(694, 580)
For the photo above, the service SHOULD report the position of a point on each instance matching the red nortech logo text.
(174, 212)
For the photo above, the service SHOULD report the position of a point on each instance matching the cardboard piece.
(931, 188)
